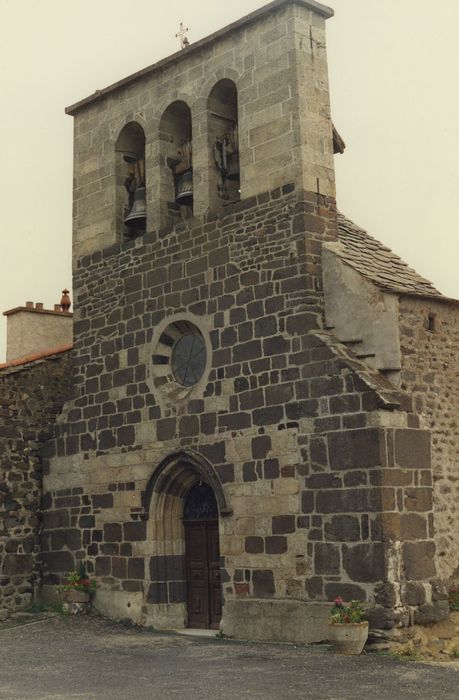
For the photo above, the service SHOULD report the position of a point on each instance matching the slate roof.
(377, 262)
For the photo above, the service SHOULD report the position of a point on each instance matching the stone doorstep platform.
(196, 633)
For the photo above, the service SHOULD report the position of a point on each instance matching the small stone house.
(262, 410)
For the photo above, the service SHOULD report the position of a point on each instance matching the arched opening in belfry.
(185, 500)
(225, 180)
(176, 158)
(130, 200)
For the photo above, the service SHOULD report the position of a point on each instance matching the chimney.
(32, 329)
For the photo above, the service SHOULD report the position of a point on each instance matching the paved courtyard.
(92, 659)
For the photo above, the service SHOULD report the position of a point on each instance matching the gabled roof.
(378, 263)
(195, 46)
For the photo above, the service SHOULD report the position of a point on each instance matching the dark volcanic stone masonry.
(310, 448)
(31, 397)
(203, 358)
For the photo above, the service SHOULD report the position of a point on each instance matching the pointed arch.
(175, 475)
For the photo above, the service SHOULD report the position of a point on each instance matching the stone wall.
(249, 278)
(369, 490)
(325, 478)
(31, 396)
(429, 336)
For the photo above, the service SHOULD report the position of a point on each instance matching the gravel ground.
(90, 658)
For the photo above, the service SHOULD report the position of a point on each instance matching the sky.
(393, 68)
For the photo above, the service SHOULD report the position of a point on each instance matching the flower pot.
(77, 596)
(348, 638)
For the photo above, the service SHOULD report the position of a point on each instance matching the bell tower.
(241, 112)
(204, 188)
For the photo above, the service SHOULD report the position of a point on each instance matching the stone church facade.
(264, 401)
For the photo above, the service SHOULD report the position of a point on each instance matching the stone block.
(177, 591)
(276, 545)
(276, 620)
(326, 559)
(102, 566)
(113, 532)
(386, 595)
(104, 500)
(381, 618)
(157, 593)
(283, 524)
(364, 563)
(119, 567)
(343, 528)
(56, 519)
(418, 499)
(136, 568)
(354, 449)
(254, 545)
(413, 527)
(413, 448)
(427, 613)
(263, 583)
(419, 560)
(169, 567)
(414, 593)
(58, 562)
(135, 531)
(18, 565)
(307, 501)
(323, 481)
(348, 501)
(261, 446)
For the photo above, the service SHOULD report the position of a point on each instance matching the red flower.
(339, 602)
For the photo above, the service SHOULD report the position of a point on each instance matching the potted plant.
(348, 631)
(78, 587)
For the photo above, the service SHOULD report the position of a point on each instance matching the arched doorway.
(202, 557)
(184, 499)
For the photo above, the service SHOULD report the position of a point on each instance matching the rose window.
(180, 359)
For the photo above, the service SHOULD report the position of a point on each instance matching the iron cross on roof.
(181, 34)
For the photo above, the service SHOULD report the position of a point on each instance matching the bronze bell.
(184, 188)
(137, 216)
(232, 160)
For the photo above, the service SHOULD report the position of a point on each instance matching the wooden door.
(215, 588)
(203, 574)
